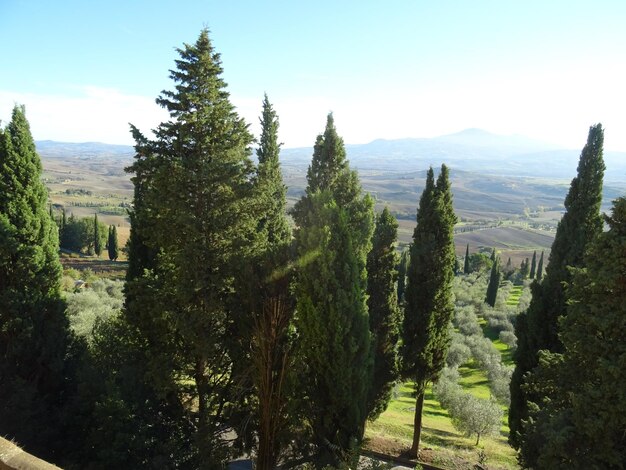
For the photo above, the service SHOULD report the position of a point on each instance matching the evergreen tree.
(384, 315)
(580, 421)
(335, 223)
(524, 268)
(538, 328)
(112, 244)
(533, 265)
(97, 244)
(466, 266)
(196, 199)
(540, 268)
(267, 346)
(494, 283)
(429, 306)
(403, 266)
(35, 339)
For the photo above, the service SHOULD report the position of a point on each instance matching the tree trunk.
(417, 423)
(477, 437)
(202, 434)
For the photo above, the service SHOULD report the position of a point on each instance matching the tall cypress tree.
(35, 338)
(538, 328)
(403, 266)
(466, 265)
(384, 314)
(494, 283)
(197, 200)
(335, 223)
(533, 265)
(97, 245)
(267, 346)
(581, 419)
(540, 268)
(429, 307)
(112, 245)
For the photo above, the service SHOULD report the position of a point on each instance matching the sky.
(393, 69)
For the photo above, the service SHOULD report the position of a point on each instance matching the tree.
(403, 266)
(494, 283)
(429, 306)
(537, 328)
(466, 264)
(36, 346)
(335, 223)
(195, 185)
(476, 416)
(271, 303)
(540, 268)
(533, 265)
(384, 314)
(112, 243)
(580, 421)
(524, 268)
(97, 244)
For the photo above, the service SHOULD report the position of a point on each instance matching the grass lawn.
(514, 296)
(438, 434)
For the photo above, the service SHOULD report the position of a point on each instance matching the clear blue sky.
(547, 69)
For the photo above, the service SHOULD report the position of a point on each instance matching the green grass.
(514, 296)
(438, 433)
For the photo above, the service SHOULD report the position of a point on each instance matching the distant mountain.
(472, 150)
(53, 149)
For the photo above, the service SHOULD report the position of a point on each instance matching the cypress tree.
(538, 328)
(97, 245)
(524, 268)
(540, 268)
(195, 182)
(271, 303)
(112, 244)
(533, 265)
(402, 270)
(384, 314)
(581, 419)
(429, 307)
(35, 343)
(335, 223)
(494, 283)
(466, 266)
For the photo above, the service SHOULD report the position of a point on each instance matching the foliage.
(537, 329)
(494, 282)
(97, 238)
(79, 234)
(580, 420)
(37, 349)
(112, 246)
(429, 308)
(533, 265)
(466, 263)
(403, 266)
(195, 220)
(384, 314)
(335, 223)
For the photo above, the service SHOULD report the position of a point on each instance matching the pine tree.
(581, 419)
(384, 315)
(335, 223)
(35, 343)
(97, 244)
(429, 306)
(494, 283)
(196, 200)
(540, 268)
(537, 328)
(112, 244)
(466, 266)
(533, 265)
